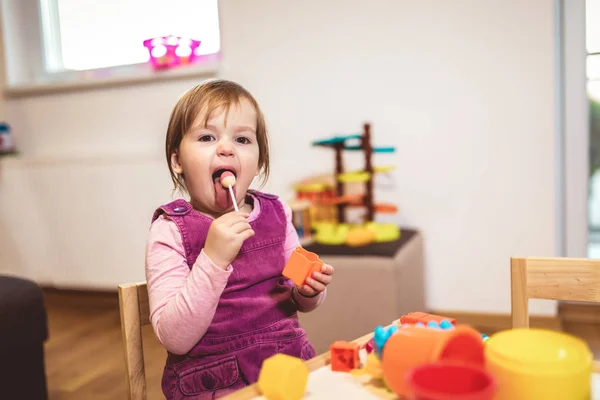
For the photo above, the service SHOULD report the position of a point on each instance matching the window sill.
(17, 159)
(115, 77)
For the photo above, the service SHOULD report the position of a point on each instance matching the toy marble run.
(320, 205)
(423, 356)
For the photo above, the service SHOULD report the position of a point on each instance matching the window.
(91, 34)
(593, 47)
(593, 90)
(84, 40)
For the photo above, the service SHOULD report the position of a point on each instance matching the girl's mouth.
(222, 196)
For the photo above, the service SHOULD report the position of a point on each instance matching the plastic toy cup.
(413, 346)
(301, 264)
(450, 381)
(539, 364)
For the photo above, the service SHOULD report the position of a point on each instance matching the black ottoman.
(23, 330)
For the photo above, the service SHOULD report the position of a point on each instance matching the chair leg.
(518, 289)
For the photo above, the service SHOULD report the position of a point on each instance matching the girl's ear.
(175, 164)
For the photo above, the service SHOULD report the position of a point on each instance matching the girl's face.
(223, 145)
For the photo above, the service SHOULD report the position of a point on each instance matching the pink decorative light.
(171, 51)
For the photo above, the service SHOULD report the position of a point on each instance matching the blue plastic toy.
(433, 324)
(445, 324)
(381, 336)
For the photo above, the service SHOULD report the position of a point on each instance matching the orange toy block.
(301, 265)
(415, 317)
(344, 356)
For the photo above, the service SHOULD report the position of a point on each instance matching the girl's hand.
(317, 283)
(226, 236)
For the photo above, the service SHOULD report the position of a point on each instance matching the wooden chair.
(135, 313)
(552, 278)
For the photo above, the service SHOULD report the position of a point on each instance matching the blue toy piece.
(335, 139)
(381, 335)
(445, 324)
(433, 324)
(375, 149)
(384, 149)
(420, 324)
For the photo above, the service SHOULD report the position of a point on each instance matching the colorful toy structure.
(321, 205)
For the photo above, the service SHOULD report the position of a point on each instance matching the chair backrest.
(551, 278)
(135, 313)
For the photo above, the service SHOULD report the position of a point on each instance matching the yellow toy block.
(283, 377)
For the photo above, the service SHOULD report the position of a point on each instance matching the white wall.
(2, 75)
(464, 90)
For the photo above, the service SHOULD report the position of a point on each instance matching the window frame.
(67, 81)
(573, 129)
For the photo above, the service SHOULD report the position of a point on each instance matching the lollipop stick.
(233, 199)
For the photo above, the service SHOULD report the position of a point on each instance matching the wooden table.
(373, 387)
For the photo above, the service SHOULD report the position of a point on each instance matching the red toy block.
(370, 346)
(415, 317)
(344, 356)
(301, 265)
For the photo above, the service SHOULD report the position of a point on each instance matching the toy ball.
(432, 324)
(445, 324)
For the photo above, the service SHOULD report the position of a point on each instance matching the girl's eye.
(243, 140)
(205, 138)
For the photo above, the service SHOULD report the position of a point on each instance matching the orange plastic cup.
(413, 346)
(301, 264)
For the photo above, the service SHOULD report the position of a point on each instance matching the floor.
(85, 356)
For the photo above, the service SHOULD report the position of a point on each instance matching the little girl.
(218, 301)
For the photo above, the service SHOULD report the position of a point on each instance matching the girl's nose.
(225, 148)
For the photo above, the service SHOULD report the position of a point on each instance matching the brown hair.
(208, 97)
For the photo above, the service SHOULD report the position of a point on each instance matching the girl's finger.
(307, 290)
(233, 217)
(324, 279)
(327, 269)
(316, 285)
(248, 233)
(240, 226)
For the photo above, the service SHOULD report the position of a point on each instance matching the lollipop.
(228, 180)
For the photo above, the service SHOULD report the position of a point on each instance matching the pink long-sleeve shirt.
(183, 301)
